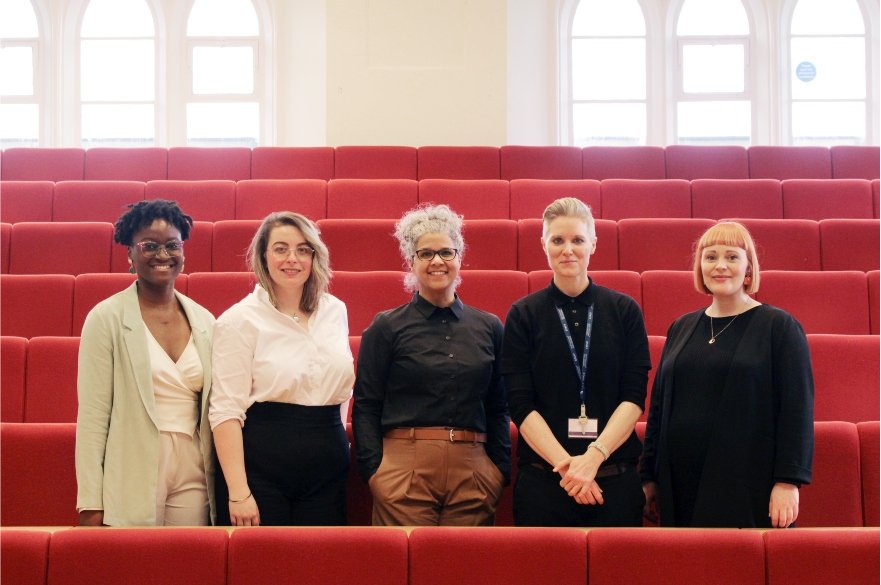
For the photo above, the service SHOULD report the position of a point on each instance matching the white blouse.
(262, 355)
(176, 386)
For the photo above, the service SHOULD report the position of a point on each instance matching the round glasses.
(152, 249)
(427, 254)
(301, 252)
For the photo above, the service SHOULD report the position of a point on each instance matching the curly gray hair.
(427, 219)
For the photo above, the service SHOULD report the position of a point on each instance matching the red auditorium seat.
(659, 244)
(490, 244)
(832, 198)
(26, 201)
(256, 199)
(505, 509)
(869, 465)
(340, 555)
(230, 242)
(5, 238)
(126, 164)
(355, 346)
(139, 555)
(370, 199)
(530, 197)
(834, 496)
(94, 200)
(197, 250)
(375, 162)
(91, 289)
(37, 475)
(706, 162)
(623, 162)
(192, 163)
(789, 162)
(540, 162)
(51, 395)
(359, 500)
(855, 162)
(472, 199)
(60, 248)
(874, 301)
(201, 200)
(13, 361)
(623, 198)
(823, 302)
(43, 164)
(622, 281)
(36, 304)
(458, 162)
(850, 244)
(493, 291)
(361, 245)
(800, 557)
(719, 198)
(648, 557)
(218, 291)
(666, 296)
(25, 556)
(846, 377)
(292, 162)
(513, 556)
(531, 256)
(876, 205)
(366, 294)
(785, 244)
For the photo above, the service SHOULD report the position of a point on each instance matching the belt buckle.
(452, 440)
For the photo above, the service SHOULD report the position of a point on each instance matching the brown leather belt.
(452, 435)
(606, 470)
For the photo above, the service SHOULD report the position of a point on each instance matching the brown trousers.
(435, 483)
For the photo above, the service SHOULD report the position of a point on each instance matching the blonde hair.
(320, 275)
(427, 219)
(568, 207)
(727, 233)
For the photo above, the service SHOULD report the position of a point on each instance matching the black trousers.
(297, 464)
(540, 501)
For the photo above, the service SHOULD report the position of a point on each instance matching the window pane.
(223, 124)
(17, 71)
(712, 18)
(608, 18)
(608, 69)
(714, 123)
(712, 68)
(17, 20)
(828, 123)
(19, 125)
(609, 124)
(117, 70)
(118, 125)
(223, 18)
(223, 70)
(825, 17)
(839, 64)
(117, 18)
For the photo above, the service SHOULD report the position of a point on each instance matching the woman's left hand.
(578, 474)
(783, 507)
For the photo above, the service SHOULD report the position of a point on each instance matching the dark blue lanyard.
(582, 368)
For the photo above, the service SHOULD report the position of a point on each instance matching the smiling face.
(290, 270)
(436, 277)
(723, 269)
(162, 269)
(569, 245)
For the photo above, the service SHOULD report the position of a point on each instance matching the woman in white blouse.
(282, 378)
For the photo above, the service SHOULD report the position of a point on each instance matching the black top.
(540, 374)
(425, 366)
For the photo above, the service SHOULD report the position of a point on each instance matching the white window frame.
(35, 98)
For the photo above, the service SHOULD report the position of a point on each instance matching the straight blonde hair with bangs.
(727, 233)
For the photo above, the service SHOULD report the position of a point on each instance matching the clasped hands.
(578, 476)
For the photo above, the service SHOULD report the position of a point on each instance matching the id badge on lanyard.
(581, 427)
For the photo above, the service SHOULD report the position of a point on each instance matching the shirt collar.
(560, 298)
(427, 309)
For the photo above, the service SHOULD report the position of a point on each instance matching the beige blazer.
(117, 434)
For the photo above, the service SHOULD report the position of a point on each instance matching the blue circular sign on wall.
(806, 71)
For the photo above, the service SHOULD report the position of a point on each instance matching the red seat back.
(666, 296)
(218, 291)
(368, 293)
(196, 163)
(656, 347)
(789, 162)
(530, 197)
(826, 199)
(846, 377)
(26, 201)
(231, 240)
(627, 198)
(874, 301)
(43, 164)
(5, 238)
(785, 244)
(623, 162)
(360, 245)
(51, 387)
(719, 198)
(126, 164)
(796, 557)
(458, 162)
(659, 244)
(836, 479)
(36, 304)
(258, 198)
(493, 291)
(291, 162)
(850, 244)
(855, 162)
(25, 556)
(490, 244)
(13, 361)
(540, 162)
(202, 200)
(870, 454)
(95, 200)
(472, 199)
(370, 199)
(706, 162)
(60, 248)
(375, 162)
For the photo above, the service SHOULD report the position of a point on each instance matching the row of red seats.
(845, 302)
(362, 245)
(441, 162)
(613, 199)
(39, 377)
(38, 479)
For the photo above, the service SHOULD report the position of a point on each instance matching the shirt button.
(448, 337)
(573, 311)
(451, 355)
(452, 398)
(452, 375)
(449, 420)
(443, 321)
(576, 324)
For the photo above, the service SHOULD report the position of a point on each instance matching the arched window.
(828, 73)
(713, 83)
(223, 58)
(19, 70)
(118, 74)
(608, 87)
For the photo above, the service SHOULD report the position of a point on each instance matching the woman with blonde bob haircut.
(282, 376)
(730, 433)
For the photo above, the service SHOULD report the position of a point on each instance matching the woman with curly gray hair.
(430, 416)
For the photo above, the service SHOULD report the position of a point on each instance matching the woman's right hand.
(244, 513)
(92, 518)
(650, 510)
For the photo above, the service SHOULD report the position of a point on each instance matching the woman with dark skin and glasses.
(144, 451)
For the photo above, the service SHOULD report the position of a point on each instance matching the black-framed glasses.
(301, 252)
(427, 254)
(152, 249)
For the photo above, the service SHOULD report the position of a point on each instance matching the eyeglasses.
(152, 249)
(427, 254)
(301, 252)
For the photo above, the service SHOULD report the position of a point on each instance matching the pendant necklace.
(713, 335)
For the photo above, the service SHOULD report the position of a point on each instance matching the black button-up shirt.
(425, 366)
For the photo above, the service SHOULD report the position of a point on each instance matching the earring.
(131, 267)
(747, 280)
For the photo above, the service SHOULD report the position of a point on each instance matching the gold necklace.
(713, 336)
